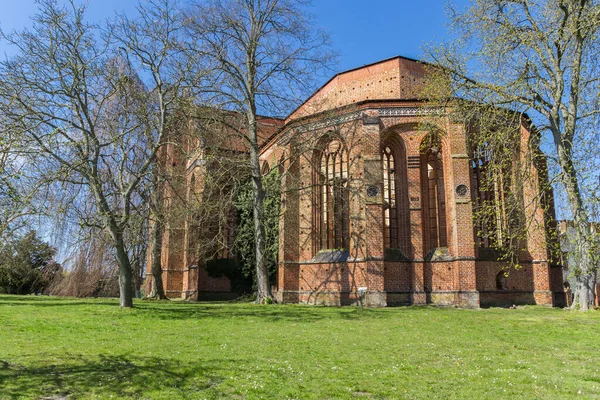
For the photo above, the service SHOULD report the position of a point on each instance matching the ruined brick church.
(367, 210)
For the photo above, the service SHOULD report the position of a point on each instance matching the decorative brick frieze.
(409, 111)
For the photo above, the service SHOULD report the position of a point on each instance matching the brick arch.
(192, 186)
(395, 193)
(434, 193)
(281, 163)
(330, 193)
(265, 169)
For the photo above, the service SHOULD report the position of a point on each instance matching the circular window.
(462, 190)
(372, 190)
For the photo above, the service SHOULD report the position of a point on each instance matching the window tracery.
(390, 217)
(435, 198)
(490, 186)
(333, 197)
(395, 196)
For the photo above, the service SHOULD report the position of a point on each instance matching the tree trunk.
(262, 274)
(156, 211)
(584, 269)
(263, 288)
(156, 268)
(125, 275)
(584, 293)
(156, 208)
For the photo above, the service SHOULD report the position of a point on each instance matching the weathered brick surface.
(556, 278)
(367, 109)
(207, 283)
(397, 276)
(397, 78)
(517, 279)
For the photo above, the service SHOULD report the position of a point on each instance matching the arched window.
(501, 281)
(395, 195)
(434, 198)
(265, 169)
(192, 186)
(226, 234)
(281, 165)
(491, 185)
(193, 231)
(333, 198)
(390, 216)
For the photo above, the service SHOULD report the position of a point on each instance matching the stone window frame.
(434, 198)
(396, 217)
(331, 195)
(496, 196)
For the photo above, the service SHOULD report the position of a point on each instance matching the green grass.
(69, 348)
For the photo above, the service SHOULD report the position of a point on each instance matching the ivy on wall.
(241, 271)
(245, 244)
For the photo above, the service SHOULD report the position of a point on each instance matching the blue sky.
(362, 31)
(367, 31)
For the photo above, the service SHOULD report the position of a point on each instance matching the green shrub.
(245, 246)
(27, 266)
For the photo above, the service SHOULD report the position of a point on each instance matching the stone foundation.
(380, 298)
(502, 298)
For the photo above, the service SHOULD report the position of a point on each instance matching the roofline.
(358, 105)
(352, 70)
(361, 104)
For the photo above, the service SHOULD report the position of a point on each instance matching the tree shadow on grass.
(272, 313)
(178, 310)
(113, 376)
(50, 301)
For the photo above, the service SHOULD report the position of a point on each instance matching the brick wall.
(209, 284)
(397, 78)
(457, 279)
(365, 108)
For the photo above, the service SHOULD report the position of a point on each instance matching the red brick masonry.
(364, 109)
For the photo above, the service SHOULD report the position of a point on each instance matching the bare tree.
(155, 287)
(154, 44)
(540, 58)
(17, 186)
(94, 103)
(265, 55)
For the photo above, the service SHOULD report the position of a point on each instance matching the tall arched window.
(395, 195)
(333, 198)
(193, 230)
(491, 185)
(281, 164)
(435, 198)
(265, 169)
(192, 187)
(390, 197)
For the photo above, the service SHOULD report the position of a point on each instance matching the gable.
(397, 78)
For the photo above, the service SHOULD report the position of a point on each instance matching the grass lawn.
(57, 348)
